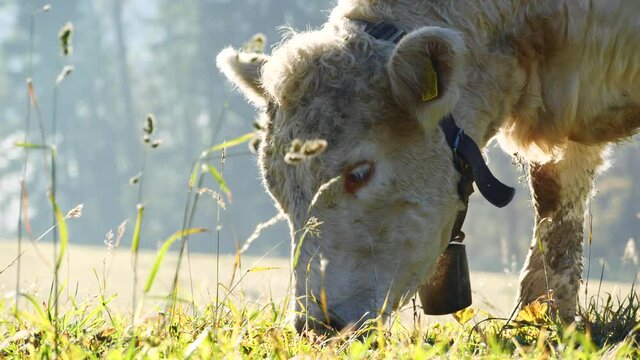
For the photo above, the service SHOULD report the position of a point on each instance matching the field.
(253, 321)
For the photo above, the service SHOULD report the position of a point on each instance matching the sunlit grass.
(243, 329)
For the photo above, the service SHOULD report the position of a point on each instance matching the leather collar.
(383, 31)
(467, 153)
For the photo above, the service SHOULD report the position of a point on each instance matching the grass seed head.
(256, 44)
(76, 212)
(122, 228)
(135, 179)
(300, 151)
(215, 196)
(66, 71)
(293, 158)
(296, 146)
(313, 226)
(314, 148)
(65, 35)
(149, 126)
(108, 240)
(254, 144)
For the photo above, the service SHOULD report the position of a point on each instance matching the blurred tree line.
(133, 57)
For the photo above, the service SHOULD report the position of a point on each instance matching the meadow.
(249, 318)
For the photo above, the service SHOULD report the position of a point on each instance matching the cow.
(392, 87)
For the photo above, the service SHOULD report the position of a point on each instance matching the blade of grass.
(232, 143)
(62, 232)
(135, 243)
(32, 146)
(263, 268)
(135, 246)
(195, 171)
(163, 251)
(296, 255)
(218, 229)
(94, 313)
(42, 315)
(586, 286)
(218, 177)
(187, 219)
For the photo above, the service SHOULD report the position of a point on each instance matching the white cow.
(556, 81)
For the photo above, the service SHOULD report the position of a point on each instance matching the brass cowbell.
(449, 289)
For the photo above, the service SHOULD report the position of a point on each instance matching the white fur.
(244, 71)
(554, 79)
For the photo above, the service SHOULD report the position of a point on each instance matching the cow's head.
(384, 191)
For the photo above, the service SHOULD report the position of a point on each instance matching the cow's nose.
(303, 323)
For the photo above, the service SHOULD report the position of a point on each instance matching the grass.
(230, 324)
(245, 329)
(249, 322)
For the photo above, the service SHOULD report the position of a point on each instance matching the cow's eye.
(358, 175)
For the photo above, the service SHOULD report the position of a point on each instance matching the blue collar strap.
(468, 160)
(383, 31)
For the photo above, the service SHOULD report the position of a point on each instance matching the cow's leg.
(560, 191)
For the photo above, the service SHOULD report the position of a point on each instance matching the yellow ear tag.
(431, 83)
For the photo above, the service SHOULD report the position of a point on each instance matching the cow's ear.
(244, 70)
(425, 71)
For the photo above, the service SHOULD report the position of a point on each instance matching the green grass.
(247, 330)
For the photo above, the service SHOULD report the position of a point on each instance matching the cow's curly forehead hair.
(336, 57)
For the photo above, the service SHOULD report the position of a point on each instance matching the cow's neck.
(481, 21)
(492, 31)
